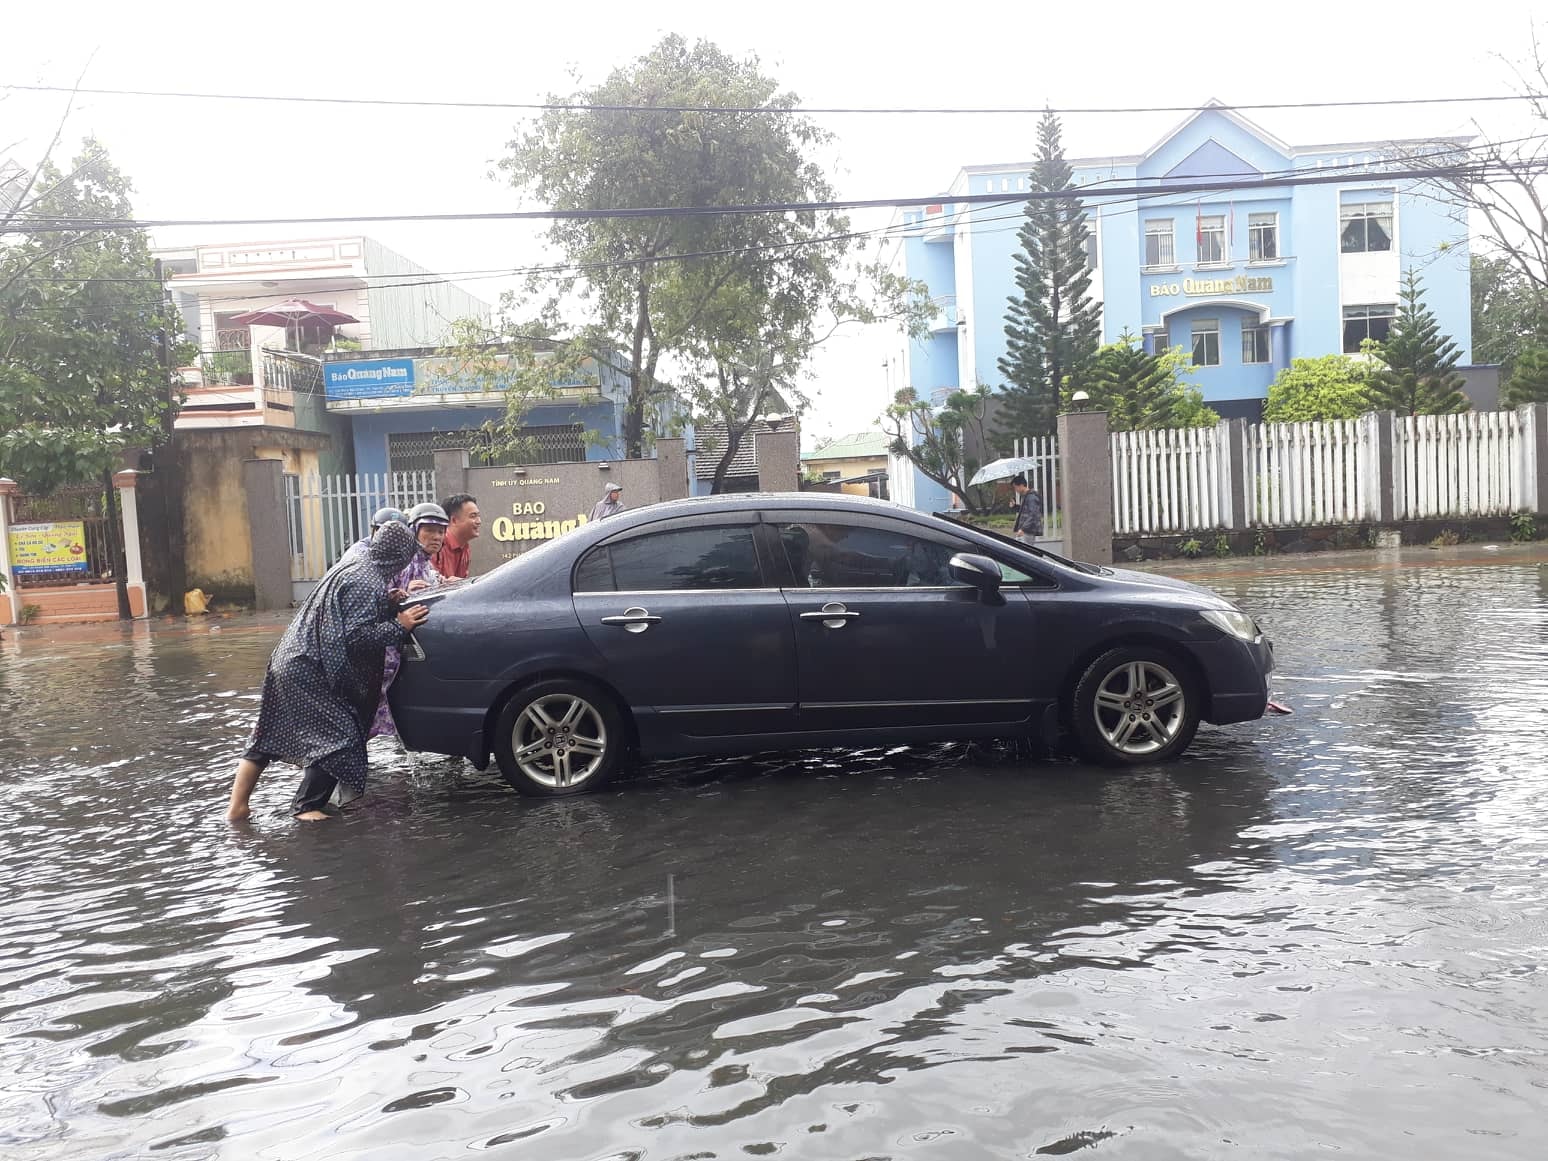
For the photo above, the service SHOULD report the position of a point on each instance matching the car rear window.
(687, 558)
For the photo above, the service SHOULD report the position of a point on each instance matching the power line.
(34, 225)
(586, 107)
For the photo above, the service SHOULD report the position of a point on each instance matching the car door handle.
(633, 620)
(833, 615)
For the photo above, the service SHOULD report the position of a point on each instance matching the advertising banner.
(58, 547)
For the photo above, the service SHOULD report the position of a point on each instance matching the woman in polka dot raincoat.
(324, 678)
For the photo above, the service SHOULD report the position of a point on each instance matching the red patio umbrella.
(293, 313)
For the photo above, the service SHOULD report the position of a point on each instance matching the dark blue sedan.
(740, 623)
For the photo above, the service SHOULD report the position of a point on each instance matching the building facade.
(403, 406)
(1245, 277)
(251, 396)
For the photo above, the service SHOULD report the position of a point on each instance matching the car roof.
(762, 501)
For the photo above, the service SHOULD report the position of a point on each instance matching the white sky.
(213, 159)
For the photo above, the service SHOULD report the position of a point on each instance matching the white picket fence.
(1168, 480)
(1043, 478)
(1310, 473)
(1304, 474)
(328, 513)
(1464, 465)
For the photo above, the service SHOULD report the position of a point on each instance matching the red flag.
(1198, 225)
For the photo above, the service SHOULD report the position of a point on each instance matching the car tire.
(1135, 705)
(560, 737)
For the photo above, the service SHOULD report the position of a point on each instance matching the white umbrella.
(1005, 469)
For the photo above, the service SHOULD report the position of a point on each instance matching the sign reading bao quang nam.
(526, 507)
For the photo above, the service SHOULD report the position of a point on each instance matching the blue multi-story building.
(1246, 278)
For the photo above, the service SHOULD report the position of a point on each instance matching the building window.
(1367, 322)
(1159, 250)
(1206, 342)
(1366, 226)
(1092, 245)
(1262, 237)
(1255, 343)
(1212, 240)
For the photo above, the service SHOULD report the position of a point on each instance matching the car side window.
(686, 558)
(846, 556)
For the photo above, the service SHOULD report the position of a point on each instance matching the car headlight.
(1235, 622)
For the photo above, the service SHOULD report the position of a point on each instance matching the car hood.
(1153, 580)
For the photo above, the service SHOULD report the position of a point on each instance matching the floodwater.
(1316, 934)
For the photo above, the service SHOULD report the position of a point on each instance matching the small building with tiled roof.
(854, 457)
(709, 444)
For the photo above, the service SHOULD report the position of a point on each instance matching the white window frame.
(1272, 227)
(1250, 331)
(1204, 328)
(1359, 207)
(1165, 228)
(1093, 244)
(1219, 228)
(1388, 311)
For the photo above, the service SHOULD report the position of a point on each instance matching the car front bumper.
(1237, 674)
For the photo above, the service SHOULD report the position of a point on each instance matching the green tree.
(1140, 390)
(633, 275)
(1318, 390)
(749, 334)
(939, 442)
(1053, 326)
(1529, 382)
(1418, 373)
(84, 374)
(1509, 313)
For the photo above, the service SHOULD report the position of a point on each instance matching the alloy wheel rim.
(559, 741)
(1139, 707)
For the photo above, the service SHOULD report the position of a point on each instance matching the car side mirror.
(979, 571)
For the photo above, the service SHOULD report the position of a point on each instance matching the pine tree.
(1529, 382)
(1052, 325)
(1418, 373)
(1141, 391)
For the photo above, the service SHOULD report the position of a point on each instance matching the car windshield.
(1078, 566)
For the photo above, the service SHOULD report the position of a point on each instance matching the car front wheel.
(1135, 704)
(559, 737)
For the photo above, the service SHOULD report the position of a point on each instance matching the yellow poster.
(58, 547)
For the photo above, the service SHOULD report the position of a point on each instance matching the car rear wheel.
(1135, 704)
(559, 737)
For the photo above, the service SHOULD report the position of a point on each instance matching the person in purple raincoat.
(428, 522)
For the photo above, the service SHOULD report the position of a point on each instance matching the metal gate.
(54, 518)
(329, 513)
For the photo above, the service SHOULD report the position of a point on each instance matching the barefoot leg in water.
(242, 790)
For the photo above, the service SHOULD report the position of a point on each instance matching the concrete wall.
(524, 507)
(218, 542)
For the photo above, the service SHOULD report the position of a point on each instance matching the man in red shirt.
(452, 560)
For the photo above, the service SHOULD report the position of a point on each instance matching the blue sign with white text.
(371, 379)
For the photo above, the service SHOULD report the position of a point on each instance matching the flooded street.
(1314, 934)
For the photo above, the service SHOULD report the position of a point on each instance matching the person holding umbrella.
(1029, 509)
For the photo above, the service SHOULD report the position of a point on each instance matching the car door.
(885, 637)
(692, 631)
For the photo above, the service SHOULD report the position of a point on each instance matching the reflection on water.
(1320, 932)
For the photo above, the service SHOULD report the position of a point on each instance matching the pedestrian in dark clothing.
(1029, 510)
(325, 676)
(610, 504)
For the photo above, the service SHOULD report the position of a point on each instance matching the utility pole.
(168, 470)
